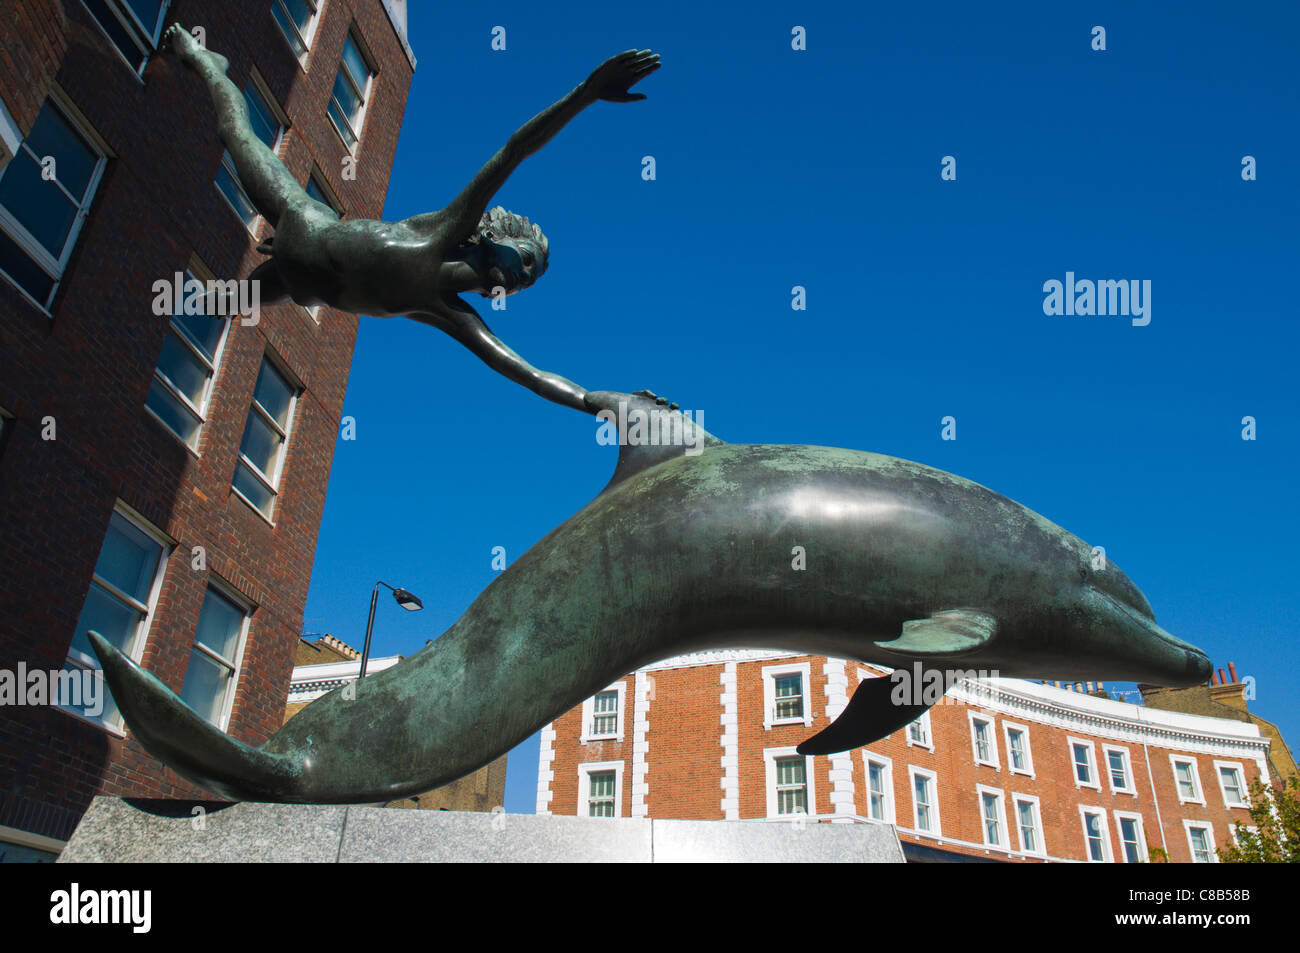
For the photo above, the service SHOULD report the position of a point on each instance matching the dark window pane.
(183, 369)
(74, 159)
(39, 205)
(274, 394)
(119, 34)
(172, 412)
(24, 272)
(253, 489)
(204, 331)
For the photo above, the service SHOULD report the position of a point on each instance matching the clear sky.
(821, 168)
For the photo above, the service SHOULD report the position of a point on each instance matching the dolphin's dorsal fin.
(951, 632)
(648, 433)
(870, 715)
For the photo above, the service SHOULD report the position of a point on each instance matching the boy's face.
(512, 264)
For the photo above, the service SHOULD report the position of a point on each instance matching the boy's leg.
(268, 183)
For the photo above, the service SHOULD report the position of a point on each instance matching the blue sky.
(821, 168)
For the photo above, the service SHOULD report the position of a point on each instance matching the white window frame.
(912, 773)
(770, 756)
(1108, 854)
(990, 734)
(1095, 783)
(584, 785)
(1120, 817)
(770, 673)
(1198, 796)
(198, 273)
(134, 652)
(589, 715)
(139, 34)
(306, 41)
(1131, 787)
(1219, 768)
(924, 721)
(983, 791)
(364, 51)
(27, 244)
(263, 92)
(1188, 826)
(1032, 801)
(1028, 769)
(241, 602)
(287, 432)
(869, 758)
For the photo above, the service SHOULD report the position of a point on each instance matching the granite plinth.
(149, 831)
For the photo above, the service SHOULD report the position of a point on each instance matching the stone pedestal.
(137, 830)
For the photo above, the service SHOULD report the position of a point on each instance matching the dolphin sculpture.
(680, 553)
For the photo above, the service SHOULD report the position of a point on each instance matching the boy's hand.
(610, 80)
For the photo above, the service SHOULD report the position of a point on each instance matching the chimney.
(1232, 670)
(1222, 679)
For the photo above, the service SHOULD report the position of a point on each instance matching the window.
(297, 21)
(602, 715)
(918, 732)
(182, 382)
(213, 671)
(992, 817)
(785, 689)
(1095, 836)
(1187, 780)
(351, 88)
(133, 26)
(263, 116)
(985, 747)
(1028, 824)
(1230, 783)
(789, 783)
(1119, 770)
(45, 194)
(322, 193)
(600, 789)
(1018, 756)
(261, 452)
(120, 603)
(880, 790)
(1132, 841)
(924, 806)
(1200, 838)
(1085, 774)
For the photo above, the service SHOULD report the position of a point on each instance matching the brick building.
(162, 477)
(1002, 769)
(328, 663)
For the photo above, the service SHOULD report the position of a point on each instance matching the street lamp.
(407, 600)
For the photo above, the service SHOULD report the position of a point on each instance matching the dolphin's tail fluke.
(174, 732)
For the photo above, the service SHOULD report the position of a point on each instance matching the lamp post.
(407, 600)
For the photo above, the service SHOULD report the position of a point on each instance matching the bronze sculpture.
(420, 266)
(681, 552)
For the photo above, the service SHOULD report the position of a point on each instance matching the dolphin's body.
(682, 553)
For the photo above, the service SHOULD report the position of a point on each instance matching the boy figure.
(419, 266)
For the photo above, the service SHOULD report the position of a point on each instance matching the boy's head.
(516, 252)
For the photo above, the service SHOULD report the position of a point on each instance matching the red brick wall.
(685, 773)
(89, 365)
(33, 39)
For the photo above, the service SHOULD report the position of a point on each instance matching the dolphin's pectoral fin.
(951, 632)
(186, 741)
(872, 714)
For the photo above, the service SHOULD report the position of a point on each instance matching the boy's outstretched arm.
(609, 82)
(463, 323)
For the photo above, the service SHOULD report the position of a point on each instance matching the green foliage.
(1275, 814)
(1157, 855)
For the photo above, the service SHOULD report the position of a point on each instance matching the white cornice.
(310, 682)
